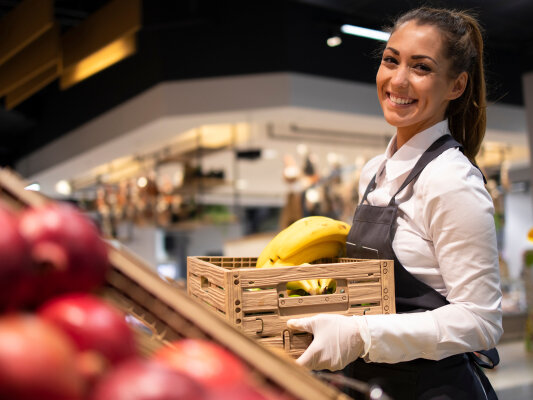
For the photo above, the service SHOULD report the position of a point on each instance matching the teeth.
(400, 100)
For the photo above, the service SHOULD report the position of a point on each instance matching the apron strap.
(440, 145)
(485, 358)
(371, 186)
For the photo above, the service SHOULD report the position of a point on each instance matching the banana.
(315, 252)
(309, 231)
(300, 285)
(326, 284)
(305, 241)
(270, 251)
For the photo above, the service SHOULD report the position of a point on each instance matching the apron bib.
(457, 377)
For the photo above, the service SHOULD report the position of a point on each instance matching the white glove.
(337, 340)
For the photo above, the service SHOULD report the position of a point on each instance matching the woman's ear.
(459, 86)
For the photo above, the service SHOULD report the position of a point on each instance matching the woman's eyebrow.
(419, 56)
(414, 57)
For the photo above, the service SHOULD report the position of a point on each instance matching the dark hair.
(463, 46)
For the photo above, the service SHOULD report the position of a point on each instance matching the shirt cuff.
(364, 334)
(401, 337)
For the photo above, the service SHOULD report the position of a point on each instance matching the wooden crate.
(168, 313)
(255, 300)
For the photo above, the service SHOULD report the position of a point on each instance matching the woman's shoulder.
(451, 171)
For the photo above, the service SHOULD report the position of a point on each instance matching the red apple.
(66, 248)
(209, 363)
(37, 361)
(92, 324)
(15, 263)
(138, 379)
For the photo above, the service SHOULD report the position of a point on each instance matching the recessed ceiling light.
(365, 32)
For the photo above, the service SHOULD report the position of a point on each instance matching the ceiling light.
(63, 187)
(241, 184)
(365, 32)
(33, 186)
(269, 154)
(334, 41)
(312, 195)
(142, 182)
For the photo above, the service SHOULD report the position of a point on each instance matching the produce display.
(307, 240)
(60, 340)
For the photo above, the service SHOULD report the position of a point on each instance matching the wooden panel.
(212, 273)
(265, 277)
(39, 56)
(24, 24)
(212, 295)
(313, 300)
(264, 325)
(294, 345)
(116, 19)
(22, 92)
(264, 300)
(365, 293)
(388, 289)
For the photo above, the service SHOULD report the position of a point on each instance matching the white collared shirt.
(446, 238)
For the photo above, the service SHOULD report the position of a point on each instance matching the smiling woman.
(424, 205)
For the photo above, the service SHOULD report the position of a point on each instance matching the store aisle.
(513, 378)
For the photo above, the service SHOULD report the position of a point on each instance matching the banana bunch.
(304, 241)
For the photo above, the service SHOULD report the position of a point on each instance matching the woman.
(425, 206)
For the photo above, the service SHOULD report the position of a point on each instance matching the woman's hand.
(337, 341)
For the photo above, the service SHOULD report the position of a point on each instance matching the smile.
(400, 100)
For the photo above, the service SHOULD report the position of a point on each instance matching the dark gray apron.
(457, 377)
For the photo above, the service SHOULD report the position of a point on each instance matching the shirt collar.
(400, 161)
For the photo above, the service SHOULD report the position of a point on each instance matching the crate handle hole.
(204, 282)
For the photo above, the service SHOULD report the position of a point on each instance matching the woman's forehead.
(411, 36)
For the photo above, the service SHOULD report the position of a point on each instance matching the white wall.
(518, 221)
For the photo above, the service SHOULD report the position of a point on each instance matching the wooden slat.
(294, 345)
(264, 325)
(212, 295)
(23, 25)
(265, 277)
(313, 300)
(12, 189)
(264, 300)
(117, 19)
(365, 293)
(33, 60)
(212, 273)
(388, 289)
(24, 91)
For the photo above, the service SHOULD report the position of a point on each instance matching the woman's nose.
(401, 77)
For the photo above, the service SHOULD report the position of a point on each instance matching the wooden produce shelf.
(170, 313)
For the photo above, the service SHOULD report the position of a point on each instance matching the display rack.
(170, 314)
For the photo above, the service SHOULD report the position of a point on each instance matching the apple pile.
(60, 341)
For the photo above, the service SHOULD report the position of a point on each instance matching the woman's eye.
(390, 60)
(422, 67)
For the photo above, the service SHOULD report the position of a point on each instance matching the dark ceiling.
(184, 39)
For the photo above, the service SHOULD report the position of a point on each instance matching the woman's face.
(413, 83)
